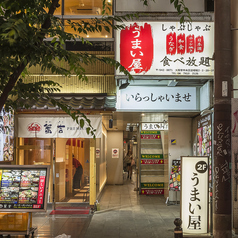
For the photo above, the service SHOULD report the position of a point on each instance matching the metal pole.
(53, 195)
(222, 225)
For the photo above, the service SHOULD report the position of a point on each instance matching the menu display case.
(23, 188)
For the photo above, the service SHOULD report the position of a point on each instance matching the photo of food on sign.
(19, 188)
(6, 135)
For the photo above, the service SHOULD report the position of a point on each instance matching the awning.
(76, 101)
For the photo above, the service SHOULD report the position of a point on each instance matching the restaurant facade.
(172, 65)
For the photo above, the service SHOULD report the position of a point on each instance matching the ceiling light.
(172, 83)
(124, 85)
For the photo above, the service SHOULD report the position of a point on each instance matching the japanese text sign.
(23, 187)
(166, 48)
(157, 98)
(154, 126)
(57, 127)
(194, 194)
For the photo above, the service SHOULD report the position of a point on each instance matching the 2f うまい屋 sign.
(194, 194)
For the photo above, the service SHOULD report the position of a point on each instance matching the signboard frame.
(46, 186)
(144, 39)
(183, 196)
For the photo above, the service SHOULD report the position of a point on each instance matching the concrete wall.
(157, 6)
(114, 165)
(181, 130)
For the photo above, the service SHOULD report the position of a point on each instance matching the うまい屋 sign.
(166, 48)
(194, 194)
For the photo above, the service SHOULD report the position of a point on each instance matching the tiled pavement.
(123, 213)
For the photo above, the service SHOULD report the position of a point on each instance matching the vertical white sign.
(194, 194)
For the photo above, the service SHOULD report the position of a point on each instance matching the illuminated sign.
(152, 161)
(23, 188)
(152, 191)
(157, 98)
(57, 127)
(155, 126)
(194, 194)
(166, 48)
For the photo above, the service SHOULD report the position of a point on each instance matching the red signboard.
(181, 44)
(150, 137)
(152, 161)
(190, 44)
(171, 43)
(41, 190)
(152, 191)
(136, 48)
(199, 44)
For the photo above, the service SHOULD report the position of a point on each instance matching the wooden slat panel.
(95, 84)
(97, 68)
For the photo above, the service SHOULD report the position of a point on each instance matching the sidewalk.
(124, 213)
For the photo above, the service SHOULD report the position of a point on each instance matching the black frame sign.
(24, 188)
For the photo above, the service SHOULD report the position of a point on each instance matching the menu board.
(6, 135)
(23, 187)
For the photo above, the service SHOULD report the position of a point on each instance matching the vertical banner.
(194, 194)
(6, 135)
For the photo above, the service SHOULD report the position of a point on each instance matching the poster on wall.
(98, 152)
(174, 179)
(23, 187)
(234, 117)
(204, 140)
(166, 48)
(115, 153)
(6, 135)
(194, 194)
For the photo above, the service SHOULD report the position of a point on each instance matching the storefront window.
(102, 34)
(34, 151)
(58, 9)
(86, 7)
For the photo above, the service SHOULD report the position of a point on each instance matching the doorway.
(71, 153)
(39, 151)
